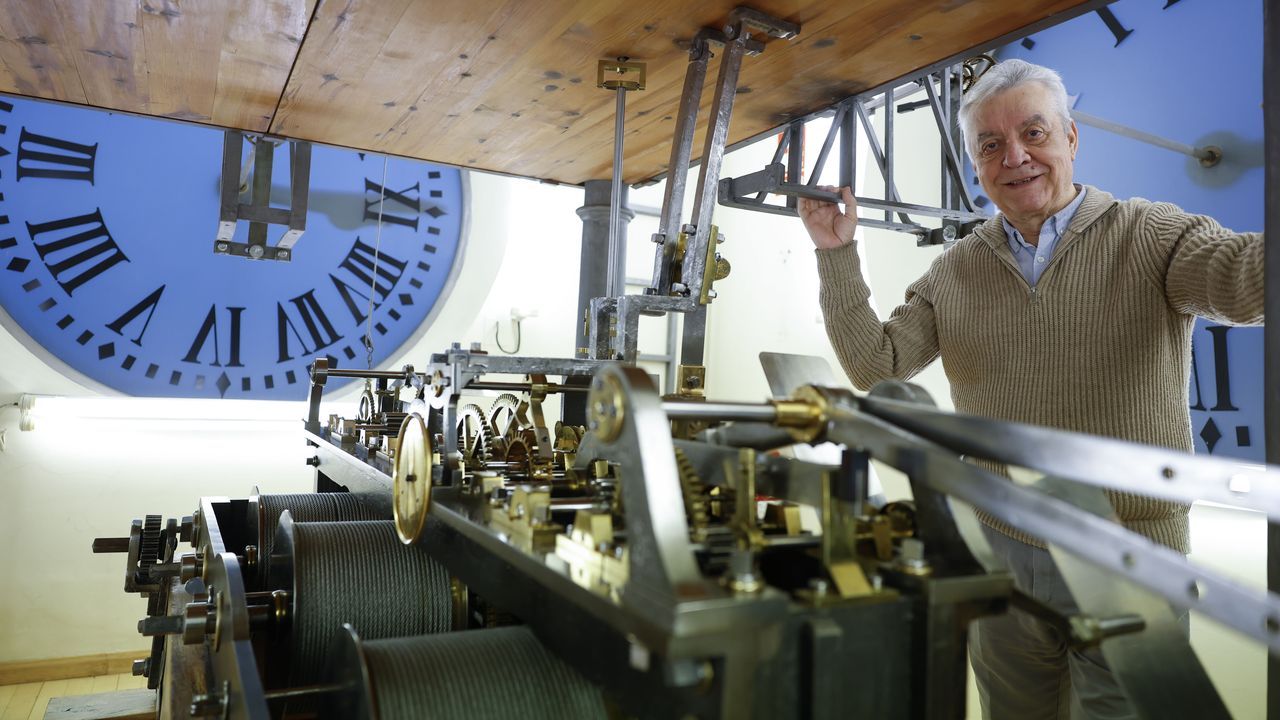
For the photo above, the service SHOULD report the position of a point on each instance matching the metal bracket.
(259, 212)
(956, 210)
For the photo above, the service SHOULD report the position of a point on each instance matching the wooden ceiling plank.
(257, 54)
(324, 92)
(588, 109)
(506, 85)
(35, 53)
(107, 50)
(794, 93)
(183, 44)
(429, 45)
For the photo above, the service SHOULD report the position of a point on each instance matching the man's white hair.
(1007, 75)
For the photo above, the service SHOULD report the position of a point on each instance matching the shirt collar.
(1058, 223)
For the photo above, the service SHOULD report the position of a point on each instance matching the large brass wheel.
(411, 479)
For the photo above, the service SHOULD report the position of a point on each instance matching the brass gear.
(517, 452)
(504, 420)
(473, 443)
(695, 503)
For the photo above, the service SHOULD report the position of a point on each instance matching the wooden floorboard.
(105, 683)
(48, 691)
(20, 703)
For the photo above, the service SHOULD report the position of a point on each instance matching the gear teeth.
(695, 503)
(477, 445)
(149, 552)
(511, 403)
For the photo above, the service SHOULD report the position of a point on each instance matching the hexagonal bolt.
(256, 252)
(221, 247)
(142, 668)
(207, 705)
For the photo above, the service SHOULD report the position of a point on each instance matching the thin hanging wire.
(373, 280)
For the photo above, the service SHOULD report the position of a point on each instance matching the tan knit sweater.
(1101, 345)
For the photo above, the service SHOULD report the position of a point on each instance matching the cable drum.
(473, 675)
(358, 572)
(306, 507)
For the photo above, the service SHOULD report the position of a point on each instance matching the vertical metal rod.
(956, 136)
(945, 199)
(686, 123)
(1271, 332)
(795, 157)
(848, 149)
(704, 200)
(694, 336)
(617, 258)
(827, 142)
(876, 152)
(263, 159)
(889, 112)
(673, 361)
(944, 130)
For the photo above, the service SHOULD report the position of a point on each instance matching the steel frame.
(956, 210)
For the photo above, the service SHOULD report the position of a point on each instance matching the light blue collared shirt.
(1032, 259)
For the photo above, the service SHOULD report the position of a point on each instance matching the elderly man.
(1070, 309)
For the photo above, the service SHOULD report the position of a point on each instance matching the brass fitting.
(805, 415)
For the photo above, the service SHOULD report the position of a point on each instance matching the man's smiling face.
(1023, 153)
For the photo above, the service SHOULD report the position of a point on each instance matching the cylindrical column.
(594, 270)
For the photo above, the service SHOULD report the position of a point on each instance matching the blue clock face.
(107, 261)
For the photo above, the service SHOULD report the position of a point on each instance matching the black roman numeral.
(83, 260)
(319, 330)
(1221, 371)
(210, 327)
(1113, 24)
(41, 156)
(382, 194)
(361, 265)
(147, 304)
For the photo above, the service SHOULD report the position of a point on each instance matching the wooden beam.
(14, 673)
(118, 705)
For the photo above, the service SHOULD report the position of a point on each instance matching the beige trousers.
(1023, 666)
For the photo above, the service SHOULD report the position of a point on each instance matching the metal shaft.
(1139, 135)
(525, 387)
(370, 374)
(729, 411)
(616, 283)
